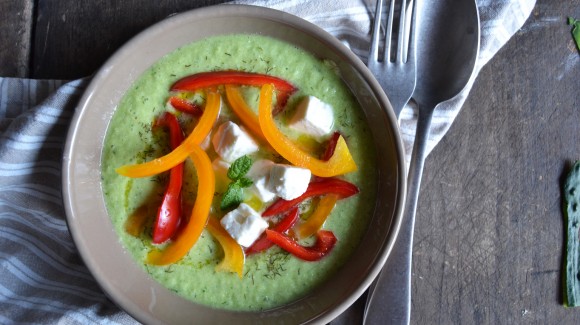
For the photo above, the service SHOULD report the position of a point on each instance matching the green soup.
(271, 278)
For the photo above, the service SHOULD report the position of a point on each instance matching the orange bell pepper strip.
(233, 253)
(245, 113)
(179, 154)
(340, 163)
(135, 223)
(318, 217)
(199, 214)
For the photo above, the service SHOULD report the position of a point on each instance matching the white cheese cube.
(220, 169)
(313, 117)
(244, 225)
(260, 175)
(288, 182)
(231, 142)
(205, 143)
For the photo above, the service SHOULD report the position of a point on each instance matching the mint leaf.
(239, 168)
(245, 182)
(232, 197)
(575, 30)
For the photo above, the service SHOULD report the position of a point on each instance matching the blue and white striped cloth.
(42, 277)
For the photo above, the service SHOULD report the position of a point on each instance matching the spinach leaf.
(575, 30)
(572, 216)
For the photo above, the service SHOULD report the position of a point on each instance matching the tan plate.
(116, 271)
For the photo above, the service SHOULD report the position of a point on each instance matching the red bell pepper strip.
(199, 133)
(184, 106)
(286, 223)
(325, 241)
(330, 146)
(191, 232)
(342, 189)
(217, 78)
(169, 213)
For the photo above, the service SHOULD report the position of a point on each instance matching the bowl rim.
(254, 12)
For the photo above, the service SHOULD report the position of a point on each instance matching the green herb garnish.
(572, 216)
(575, 30)
(234, 195)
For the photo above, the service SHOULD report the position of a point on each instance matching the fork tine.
(412, 31)
(374, 52)
(389, 36)
(401, 39)
(397, 76)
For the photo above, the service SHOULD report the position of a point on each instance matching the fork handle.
(389, 297)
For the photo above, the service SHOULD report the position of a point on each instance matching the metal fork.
(389, 296)
(397, 75)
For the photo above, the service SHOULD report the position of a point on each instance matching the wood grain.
(74, 38)
(16, 28)
(489, 236)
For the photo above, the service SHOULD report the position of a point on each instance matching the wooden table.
(489, 237)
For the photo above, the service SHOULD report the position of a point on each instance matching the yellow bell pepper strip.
(189, 235)
(135, 224)
(248, 117)
(200, 132)
(233, 253)
(317, 219)
(340, 163)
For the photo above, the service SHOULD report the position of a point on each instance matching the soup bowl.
(121, 278)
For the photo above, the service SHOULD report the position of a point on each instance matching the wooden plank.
(489, 238)
(16, 24)
(74, 38)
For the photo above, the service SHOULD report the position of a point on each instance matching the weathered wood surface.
(489, 242)
(15, 37)
(74, 38)
(489, 237)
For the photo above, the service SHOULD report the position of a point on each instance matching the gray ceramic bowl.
(115, 270)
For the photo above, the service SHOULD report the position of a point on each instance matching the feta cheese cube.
(313, 117)
(205, 143)
(231, 142)
(220, 168)
(244, 225)
(288, 182)
(260, 175)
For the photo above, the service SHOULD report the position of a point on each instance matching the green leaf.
(572, 215)
(245, 182)
(239, 168)
(233, 196)
(575, 30)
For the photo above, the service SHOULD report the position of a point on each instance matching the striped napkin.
(43, 278)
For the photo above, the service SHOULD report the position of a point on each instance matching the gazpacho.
(239, 172)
